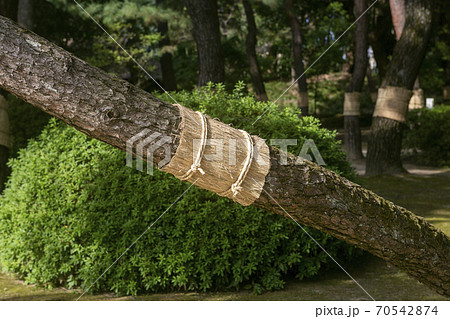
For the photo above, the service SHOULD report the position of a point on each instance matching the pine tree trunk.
(205, 22)
(250, 44)
(25, 14)
(113, 111)
(352, 130)
(297, 50)
(385, 141)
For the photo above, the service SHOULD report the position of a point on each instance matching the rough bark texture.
(112, 110)
(25, 14)
(205, 22)
(168, 75)
(297, 49)
(250, 44)
(383, 154)
(352, 130)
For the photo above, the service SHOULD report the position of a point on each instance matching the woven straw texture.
(223, 159)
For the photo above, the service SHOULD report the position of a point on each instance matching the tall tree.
(250, 48)
(206, 30)
(25, 14)
(385, 141)
(352, 130)
(297, 50)
(168, 74)
(114, 111)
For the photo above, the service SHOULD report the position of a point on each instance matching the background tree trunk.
(113, 111)
(385, 140)
(352, 130)
(25, 14)
(168, 74)
(205, 22)
(297, 50)
(250, 44)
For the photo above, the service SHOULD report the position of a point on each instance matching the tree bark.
(25, 14)
(385, 140)
(250, 44)
(205, 22)
(297, 50)
(352, 130)
(113, 111)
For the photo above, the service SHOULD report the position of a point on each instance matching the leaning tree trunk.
(113, 111)
(205, 22)
(385, 140)
(299, 68)
(352, 130)
(250, 44)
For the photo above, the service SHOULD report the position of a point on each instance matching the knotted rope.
(236, 186)
(201, 150)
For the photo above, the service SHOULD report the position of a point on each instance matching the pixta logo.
(145, 140)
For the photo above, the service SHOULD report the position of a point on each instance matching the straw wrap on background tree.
(392, 103)
(351, 104)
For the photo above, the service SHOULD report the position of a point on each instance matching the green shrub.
(72, 207)
(428, 135)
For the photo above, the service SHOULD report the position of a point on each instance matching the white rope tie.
(201, 150)
(236, 186)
